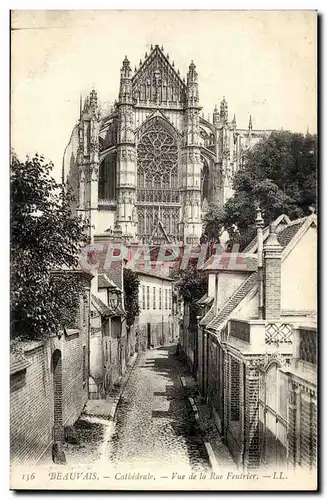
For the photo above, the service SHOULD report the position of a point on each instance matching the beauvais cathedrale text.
(150, 167)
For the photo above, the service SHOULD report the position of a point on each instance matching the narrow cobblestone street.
(155, 424)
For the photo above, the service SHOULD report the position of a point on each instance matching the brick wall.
(302, 426)
(75, 391)
(235, 390)
(32, 402)
(251, 419)
(272, 288)
(31, 408)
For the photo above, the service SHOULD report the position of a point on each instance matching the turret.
(125, 89)
(93, 100)
(88, 158)
(191, 159)
(126, 155)
(192, 90)
(224, 111)
(215, 116)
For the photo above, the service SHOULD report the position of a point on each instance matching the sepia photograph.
(163, 250)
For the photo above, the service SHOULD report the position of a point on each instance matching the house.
(49, 386)
(156, 324)
(109, 349)
(257, 304)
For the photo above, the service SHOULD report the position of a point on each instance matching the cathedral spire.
(93, 100)
(192, 91)
(125, 90)
(215, 117)
(250, 123)
(234, 121)
(224, 110)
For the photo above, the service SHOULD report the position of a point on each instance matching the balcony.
(107, 204)
(261, 335)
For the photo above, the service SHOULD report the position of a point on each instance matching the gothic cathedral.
(150, 167)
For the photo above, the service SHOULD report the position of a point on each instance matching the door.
(149, 335)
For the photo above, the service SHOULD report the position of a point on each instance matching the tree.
(131, 295)
(45, 237)
(192, 284)
(213, 224)
(279, 174)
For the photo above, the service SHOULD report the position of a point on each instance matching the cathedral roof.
(156, 60)
(157, 72)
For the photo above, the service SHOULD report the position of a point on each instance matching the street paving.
(155, 425)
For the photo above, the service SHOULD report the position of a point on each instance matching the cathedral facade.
(150, 167)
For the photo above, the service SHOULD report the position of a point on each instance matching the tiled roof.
(208, 317)
(231, 262)
(105, 282)
(208, 300)
(151, 271)
(101, 306)
(287, 234)
(18, 363)
(200, 301)
(234, 301)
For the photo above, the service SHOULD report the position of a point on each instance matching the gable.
(159, 235)
(157, 80)
(299, 274)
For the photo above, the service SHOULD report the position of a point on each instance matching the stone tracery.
(157, 178)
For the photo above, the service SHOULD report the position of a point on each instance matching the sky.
(263, 62)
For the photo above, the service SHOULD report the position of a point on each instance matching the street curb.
(112, 414)
(211, 456)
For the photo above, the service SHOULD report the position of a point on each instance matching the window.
(157, 171)
(107, 178)
(160, 298)
(154, 297)
(170, 304)
(148, 297)
(143, 297)
(166, 298)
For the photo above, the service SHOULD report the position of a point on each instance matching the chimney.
(272, 275)
(259, 225)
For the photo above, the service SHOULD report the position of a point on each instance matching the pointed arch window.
(157, 175)
(107, 178)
